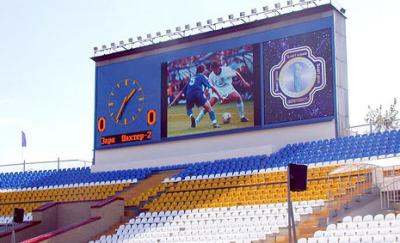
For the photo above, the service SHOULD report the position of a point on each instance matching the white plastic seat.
(390, 216)
(384, 224)
(368, 218)
(357, 218)
(319, 234)
(354, 239)
(347, 219)
(344, 239)
(333, 240)
(312, 240)
(378, 238)
(384, 230)
(379, 217)
(366, 239)
(341, 226)
(373, 224)
(339, 233)
(390, 238)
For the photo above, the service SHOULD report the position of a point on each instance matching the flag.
(23, 137)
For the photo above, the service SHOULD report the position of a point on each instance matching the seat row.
(368, 229)
(337, 150)
(32, 198)
(251, 195)
(212, 224)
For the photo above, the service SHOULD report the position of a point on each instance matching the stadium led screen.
(233, 73)
(268, 78)
(298, 77)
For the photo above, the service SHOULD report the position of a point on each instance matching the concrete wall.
(108, 215)
(47, 221)
(69, 213)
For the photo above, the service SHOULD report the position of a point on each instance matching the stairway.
(135, 190)
(146, 184)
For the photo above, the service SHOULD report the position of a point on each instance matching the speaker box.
(298, 177)
(18, 215)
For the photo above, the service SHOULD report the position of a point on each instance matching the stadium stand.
(238, 199)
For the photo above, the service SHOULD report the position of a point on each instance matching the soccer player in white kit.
(221, 78)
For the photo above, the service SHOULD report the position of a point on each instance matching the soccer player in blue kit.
(194, 95)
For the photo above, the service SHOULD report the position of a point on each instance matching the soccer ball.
(226, 117)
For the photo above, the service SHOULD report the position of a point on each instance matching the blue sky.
(47, 76)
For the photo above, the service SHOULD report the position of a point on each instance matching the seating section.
(225, 224)
(73, 176)
(366, 229)
(239, 199)
(328, 150)
(30, 199)
(256, 189)
(241, 208)
(66, 177)
(29, 190)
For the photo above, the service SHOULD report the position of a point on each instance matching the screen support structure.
(291, 223)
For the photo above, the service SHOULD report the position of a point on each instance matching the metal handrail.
(57, 162)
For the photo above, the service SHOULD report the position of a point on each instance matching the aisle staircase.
(135, 190)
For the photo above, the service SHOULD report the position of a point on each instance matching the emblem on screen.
(297, 77)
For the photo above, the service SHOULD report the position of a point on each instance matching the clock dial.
(126, 102)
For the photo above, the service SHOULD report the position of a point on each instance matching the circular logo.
(297, 77)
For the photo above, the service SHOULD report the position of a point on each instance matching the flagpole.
(23, 146)
(23, 158)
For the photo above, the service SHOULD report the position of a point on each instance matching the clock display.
(126, 101)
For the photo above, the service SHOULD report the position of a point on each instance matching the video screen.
(210, 92)
(299, 77)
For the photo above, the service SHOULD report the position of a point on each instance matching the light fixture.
(230, 16)
(168, 31)
(148, 36)
(121, 42)
(253, 11)
(95, 48)
(209, 22)
(130, 40)
(104, 47)
(158, 33)
(112, 45)
(198, 24)
(242, 14)
(343, 11)
(289, 2)
(187, 27)
(277, 5)
(178, 29)
(220, 20)
(139, 38)
(265, 8)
